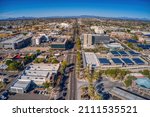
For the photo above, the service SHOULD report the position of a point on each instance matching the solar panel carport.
(115, 53)
(104, 61)
(133, 53)
(117, 61)
(128, 61)
(138, 61)
(123, 53)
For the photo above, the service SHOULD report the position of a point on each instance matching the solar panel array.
(117, 61)
(128, 61)
(124, 53)
(133, 53)
(144, 46)
(138, 61)
(104, 61)
(115, 53)
(122, 61)
(132, 41)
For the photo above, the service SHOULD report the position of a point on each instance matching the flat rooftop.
(16, 39)
(91, 59)
(143, 82)
(60, 41)
(43, 67)
(36, 73)
(22, 83)
(125, 94)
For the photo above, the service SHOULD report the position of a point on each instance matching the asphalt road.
(72, 59)
(72, 93)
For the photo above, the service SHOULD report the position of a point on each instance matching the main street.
(72, 59)
(72, 80)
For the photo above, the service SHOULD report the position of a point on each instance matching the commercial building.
(125, 94)
(90, 59)
(17, 42)
(114, 46)
(59, 44)
(143, 82)
(37, 40)
(40, 73)
(93, 39)
(142, 86)
(118, 59)
(20, 86)
(3, 66)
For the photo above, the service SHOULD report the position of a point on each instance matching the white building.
(90, 59)
(40, 73)
(114, 46)
(97, 29)
(21, 86)
(38, 39)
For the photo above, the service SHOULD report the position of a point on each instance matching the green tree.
(96, 75)
(130, 45)
(8, 62)
(36, 60)
(63, 66)
(128, 81)
(146, 72)
(13, 66)
(54, 61)
(38, 51)
(97, 97)
(46, 84)
(135, 37)
(91, 90)
(78, 43)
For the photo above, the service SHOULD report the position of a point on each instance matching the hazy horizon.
(49, 8)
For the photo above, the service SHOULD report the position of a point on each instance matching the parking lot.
(28, 96)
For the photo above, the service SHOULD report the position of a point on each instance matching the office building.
(93, 39)
(37, 40)
(17, 42)
(59, 44)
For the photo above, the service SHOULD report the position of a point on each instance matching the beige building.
(87, 39)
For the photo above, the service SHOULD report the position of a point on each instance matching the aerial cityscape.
(75, 50)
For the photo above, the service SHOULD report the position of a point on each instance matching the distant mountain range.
(81, 16)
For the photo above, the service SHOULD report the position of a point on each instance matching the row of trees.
(78, 43)
(64, 64)
(116, 74)
(18, 65)
(79, 62)
(49, 60)
(133, 46)
(91, 76)
(13, 65)
(29, 59)
(2, 86)
(128, 81)
(146, 72)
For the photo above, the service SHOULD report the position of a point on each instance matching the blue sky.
(44, 8)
